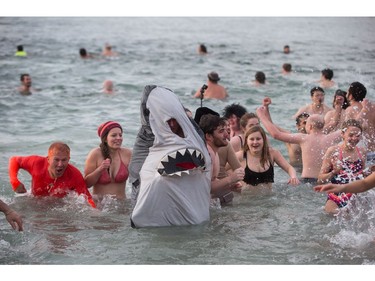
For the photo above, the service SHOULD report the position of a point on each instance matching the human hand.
(294, 181)
(105, 164)
(261, 111)
(237, 175)
(14, 220)
(236, 187)
(328, 188)
(20, 188)
(267, 101)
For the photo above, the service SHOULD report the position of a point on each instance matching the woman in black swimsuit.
(258, 160)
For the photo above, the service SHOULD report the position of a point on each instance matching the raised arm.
(275, 132)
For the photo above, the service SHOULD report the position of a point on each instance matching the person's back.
(214, 90)
(313, 144)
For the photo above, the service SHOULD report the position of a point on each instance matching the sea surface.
(285, 227)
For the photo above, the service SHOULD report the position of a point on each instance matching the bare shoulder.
(126, 151)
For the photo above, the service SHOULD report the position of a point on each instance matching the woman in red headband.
(106, 167)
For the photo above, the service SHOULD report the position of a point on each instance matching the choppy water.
(287, 226)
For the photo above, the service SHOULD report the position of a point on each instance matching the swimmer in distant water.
(25, 88)
(51, 175)
(286, 49)
(202, 49)
(20, 52)
(108, 87)
(214, 90)
(84, 55)
(286, 69)
(260, 78)
(106, 166)
(326, 78)
(12, 216)
(107, 51)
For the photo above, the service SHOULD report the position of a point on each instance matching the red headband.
(104, 128)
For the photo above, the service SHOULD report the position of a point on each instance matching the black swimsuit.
(255, 178)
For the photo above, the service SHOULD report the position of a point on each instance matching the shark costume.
(173, 173)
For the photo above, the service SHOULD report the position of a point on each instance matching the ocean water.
(285, 227)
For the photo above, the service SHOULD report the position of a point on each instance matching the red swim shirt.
(42, 184)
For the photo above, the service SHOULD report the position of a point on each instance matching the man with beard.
(216, 135)
(25, 88)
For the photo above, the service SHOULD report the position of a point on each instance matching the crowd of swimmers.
(334, 149)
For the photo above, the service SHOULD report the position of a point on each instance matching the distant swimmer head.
(108, 86)
(213, 76)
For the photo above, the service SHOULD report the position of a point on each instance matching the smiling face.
(255, 142)
(114, 138)
(351, 136)
(220, 136)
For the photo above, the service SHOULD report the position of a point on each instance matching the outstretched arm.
(352, 187)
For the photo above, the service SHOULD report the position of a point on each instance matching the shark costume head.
(175, 178)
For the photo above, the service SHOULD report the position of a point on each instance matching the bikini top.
(255, 178)
(351, 170)
(122, 174)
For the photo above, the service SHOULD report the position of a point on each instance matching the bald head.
(315, 121)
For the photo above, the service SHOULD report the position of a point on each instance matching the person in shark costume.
(170, 174)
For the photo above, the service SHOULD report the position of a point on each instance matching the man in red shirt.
(51, 175)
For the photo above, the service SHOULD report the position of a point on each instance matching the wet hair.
(234, 108)
(351, 123)
(202, 48)
(59, 147)
(341, 94)
(19, 48)
(265, 155)
(23, 75)
(358, 91)
(302, 115)
(83, 52)
(317, 121)
(260, 77)
(315, 89)
(327, 73)
(246, 117)
(287, 67)
(209, 123)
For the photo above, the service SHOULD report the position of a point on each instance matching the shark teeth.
(182, 162)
